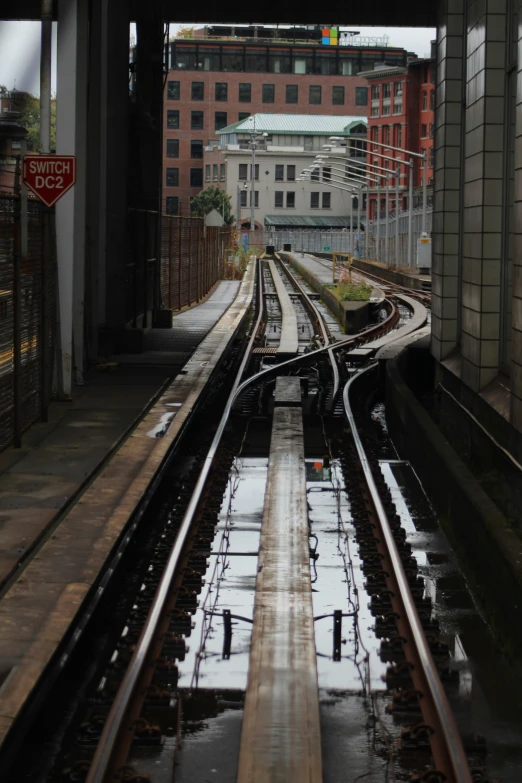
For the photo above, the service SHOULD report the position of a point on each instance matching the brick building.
(213, 83)
(12, 104)
(402, 114)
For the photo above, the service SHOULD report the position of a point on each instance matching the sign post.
(49, 177)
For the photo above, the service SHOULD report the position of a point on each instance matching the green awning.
(306, 221)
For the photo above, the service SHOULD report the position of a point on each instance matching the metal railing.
(380, 244)
(192, 259)
(27, 319)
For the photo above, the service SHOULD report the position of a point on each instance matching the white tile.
(495, 55)
(490, 326)
(491, 244)
(493, 192)
(490, 298)
(496, 27)
(494, 111)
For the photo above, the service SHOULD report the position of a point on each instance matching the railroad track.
(153, 641)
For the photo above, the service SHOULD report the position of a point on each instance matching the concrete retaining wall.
(490, 551)
(352, 316)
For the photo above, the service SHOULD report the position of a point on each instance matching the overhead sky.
(20, 49)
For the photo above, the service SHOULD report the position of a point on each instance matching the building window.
(256, 172)
(375, 134)
(278, 198)
(222, 172)
(432, 129)
(243, 194)
(315, 175)
(196, 178)
(221, 91)
(173, 119)
(386, 110)
(386, 90)
(292, 93)
(196, 148)
(290, 173)
(196, 120)
(338, 96)
(386, 134)
(215, 172)
(424, 100)
(280, 61)
(245, 92)
(172, 180)
(290, 199)
(375, 92)
(243, 115)
(279, 173)
(268, 93)
(314, 200)
(198, 91)
(432, 100)
(397, 105)
(255, 60)
(220, 120)
(361, 96)
(243, 172)
(256, 198)
(171, 205)
(172, 148)
(327, 174)
(173, 91)
(397, 88)
(398, 137)
(375, 111)
(314, 94)
(423, 131)
(327, 200)
(207, 172)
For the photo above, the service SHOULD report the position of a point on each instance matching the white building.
(285, 144)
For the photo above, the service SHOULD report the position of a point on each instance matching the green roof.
(307, 221)
(308, 124)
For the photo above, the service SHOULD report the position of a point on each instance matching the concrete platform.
(281, 735)
(71, 543)
(289, 340)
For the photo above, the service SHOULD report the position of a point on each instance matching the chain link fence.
(192, 259)
(381, 243)
(26, 319)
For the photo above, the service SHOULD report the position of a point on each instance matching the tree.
(185, 32)
(30, 119)
(212, 198)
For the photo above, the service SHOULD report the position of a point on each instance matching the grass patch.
(351, 292)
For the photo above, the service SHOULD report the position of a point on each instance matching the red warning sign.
(49, 176)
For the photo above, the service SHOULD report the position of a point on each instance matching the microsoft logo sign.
(330, 36)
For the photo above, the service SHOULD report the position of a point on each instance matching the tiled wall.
(447, 179)
(516, 336)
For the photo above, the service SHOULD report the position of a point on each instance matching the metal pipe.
(410, 215)
(424, 192)
(23, 204)
(351, 224)
(253, 176)
(238, 208)
(378, 253)
(397, 176)
(358, 222)
(366, 254)
(45, 75)
(387, 227)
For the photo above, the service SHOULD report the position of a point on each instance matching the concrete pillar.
(108, 76)
(71, 112)
(483, 197)
(447, 218)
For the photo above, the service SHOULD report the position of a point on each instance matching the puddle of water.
(340, 585)
(489, 697)
(160, 429)
(233, 563)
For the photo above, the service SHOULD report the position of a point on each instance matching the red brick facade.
(408, 97)
(179, 84)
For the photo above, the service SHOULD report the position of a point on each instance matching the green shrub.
(351, 292)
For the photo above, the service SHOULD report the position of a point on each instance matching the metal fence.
(142, 278)
(379, 243)
(26, 319)
(192, 259)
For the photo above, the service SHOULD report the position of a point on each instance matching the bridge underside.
(400, 13)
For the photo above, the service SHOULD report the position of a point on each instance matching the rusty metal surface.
(281, 737)
(88, 533)
(446, 746)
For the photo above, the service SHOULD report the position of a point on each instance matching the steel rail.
(447, 749)
(325, 333)
(103, 763)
